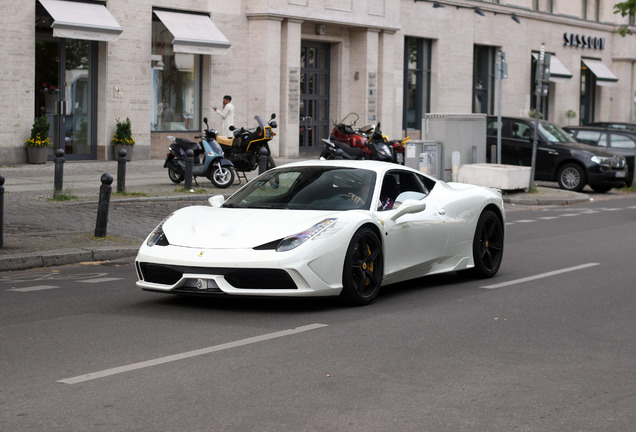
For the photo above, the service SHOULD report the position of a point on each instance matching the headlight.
(291, 242)
(602, 160)
(157, 236)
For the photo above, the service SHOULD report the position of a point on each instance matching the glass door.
(314, 95)
(65, 86)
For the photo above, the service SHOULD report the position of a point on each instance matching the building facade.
(86, 64)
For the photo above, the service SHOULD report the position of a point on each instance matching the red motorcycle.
(352, 142)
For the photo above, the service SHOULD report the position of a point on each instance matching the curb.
(64, 256)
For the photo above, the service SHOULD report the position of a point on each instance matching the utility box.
(425, 156)
(463, 133)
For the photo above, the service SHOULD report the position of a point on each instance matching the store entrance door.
(66, 93)
(314, 95)
(588, 93)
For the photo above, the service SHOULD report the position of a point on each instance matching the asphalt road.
(546, 345)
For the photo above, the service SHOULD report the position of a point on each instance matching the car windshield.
(554, 134)
(308, 188)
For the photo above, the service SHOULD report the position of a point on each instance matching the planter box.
(37, 155)
(504, 177)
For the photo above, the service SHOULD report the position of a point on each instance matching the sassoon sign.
(582, 41)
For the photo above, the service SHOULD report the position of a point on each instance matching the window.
(483, 79)
(417, 81)
(590, 137)
(622, 141)
(176, 84)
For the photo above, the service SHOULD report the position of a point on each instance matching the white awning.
(195, 34)
(604, 76)
(77, 20)
(558, 72)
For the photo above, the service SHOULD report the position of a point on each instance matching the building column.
(364, 67)
(388, 76)
(289, 89)
(264, 70)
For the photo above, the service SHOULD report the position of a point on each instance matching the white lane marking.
(526, 220)
(100, 280)
(540, 276)
(189, 354)
(548, 217)
(34, 288)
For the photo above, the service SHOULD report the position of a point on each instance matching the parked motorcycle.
(346, 140)
(368, 143)
(208, 160)
(244, 147)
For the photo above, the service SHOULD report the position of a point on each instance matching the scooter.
(245, 147)
(214, 165)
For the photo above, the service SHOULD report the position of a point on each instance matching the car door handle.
(441, 212)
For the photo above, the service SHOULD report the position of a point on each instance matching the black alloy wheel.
(363, 268)
(488, 245)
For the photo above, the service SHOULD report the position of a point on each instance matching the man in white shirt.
(227, 114)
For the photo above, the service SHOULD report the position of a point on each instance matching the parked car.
(614, 125)
(326, 228)
(559, 157)
(622, 142)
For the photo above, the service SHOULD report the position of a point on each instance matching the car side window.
(521, 130)
(402, 183)
(588, 137)
(622, 141)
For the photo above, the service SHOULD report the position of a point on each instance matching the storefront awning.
(604, 76)
(195, 34)
(77, 20)
(558, 72)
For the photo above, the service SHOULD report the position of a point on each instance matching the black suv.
(619, 141)
(559, 157)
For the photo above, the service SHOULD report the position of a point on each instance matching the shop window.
(176, 84)
(417, 81)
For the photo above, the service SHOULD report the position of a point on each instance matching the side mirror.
(409, 207)
(232, 128)
(216, 201)
(273, 116)
(205, 120)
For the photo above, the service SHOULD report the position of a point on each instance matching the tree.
(625, 8)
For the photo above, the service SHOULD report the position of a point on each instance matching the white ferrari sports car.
(325, 228)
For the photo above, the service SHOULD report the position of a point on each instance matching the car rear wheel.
(362, 272)
(488, 245)
(572, 177)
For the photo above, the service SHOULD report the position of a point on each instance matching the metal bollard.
(262, 160)
(189, 160)
(58, 179)
(121, 171)
(1, 211)
(102, 207)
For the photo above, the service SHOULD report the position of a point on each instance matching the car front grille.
(244, 278)
(617, 162)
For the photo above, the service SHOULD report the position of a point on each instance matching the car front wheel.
(572, 177)
(363, 268)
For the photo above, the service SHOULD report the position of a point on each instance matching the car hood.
(233, 228)
(583, 147)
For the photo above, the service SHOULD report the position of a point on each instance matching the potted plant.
(123, 139)
(570, 114)
(38, 144)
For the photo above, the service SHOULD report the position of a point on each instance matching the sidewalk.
(39, 232)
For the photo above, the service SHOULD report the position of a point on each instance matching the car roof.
(601, 129)
(377, 166)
